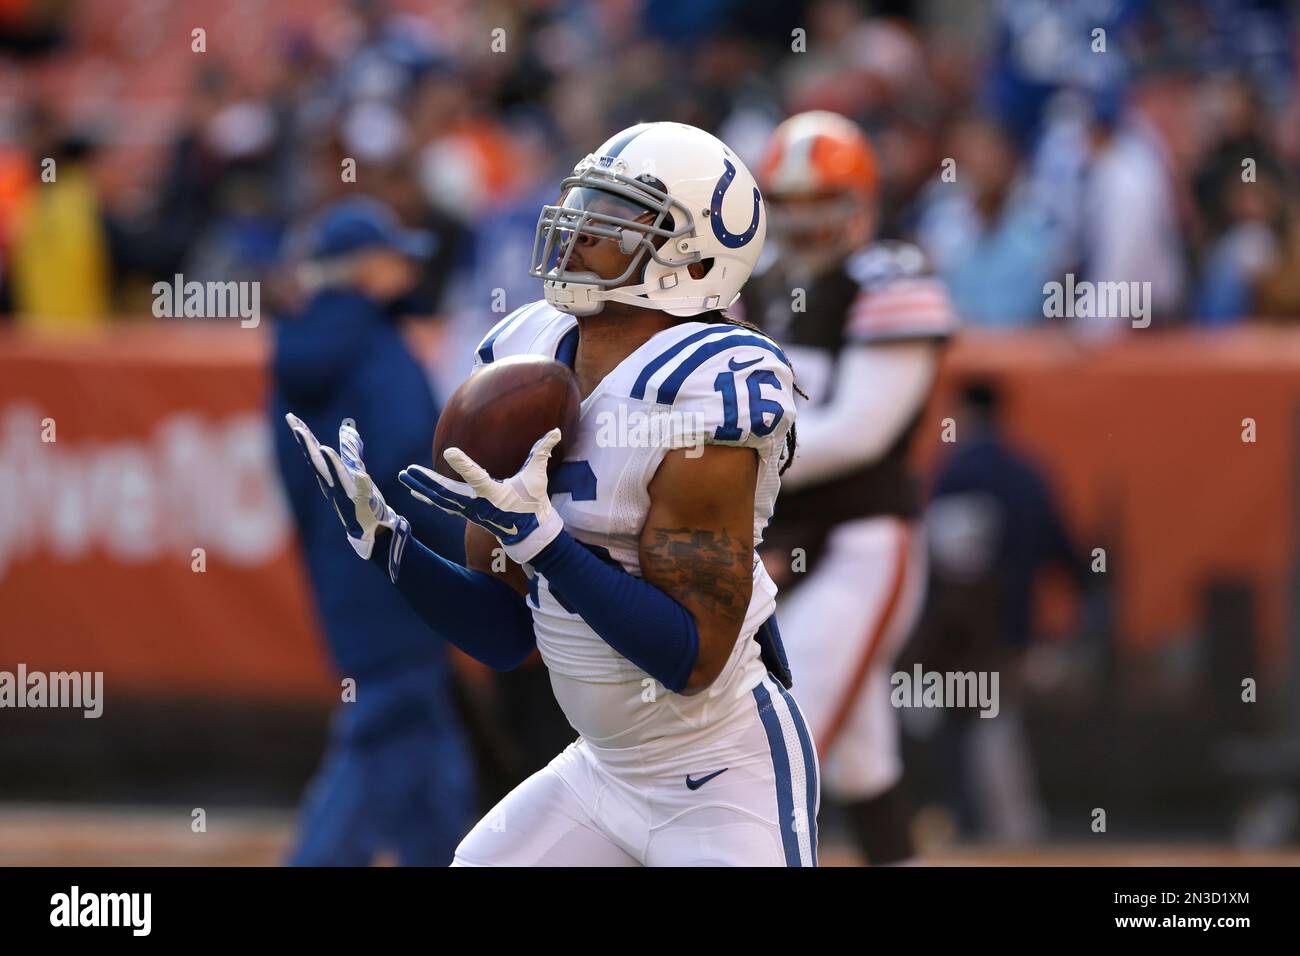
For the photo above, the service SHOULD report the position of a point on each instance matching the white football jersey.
(695, 383)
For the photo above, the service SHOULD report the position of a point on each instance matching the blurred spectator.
(239, 231)
(60, 269)
(493, 279)
(33, 28)
(1025, 530)
(17, 180)
(397, 776)
(1233, 115)
(399, 188)
(302, 110)
(993, 526)
(1239, 192)
(1254, 38)
(1244, 250)
(987, 234)
(242, 241)
(1129, 229)
(391, 52)
(1278, 287)
(466, 162)
(908, 143)
(397, 87)
(1042, 48)
(155, 241)
(1106, 177)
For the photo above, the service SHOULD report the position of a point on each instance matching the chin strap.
(580, 298)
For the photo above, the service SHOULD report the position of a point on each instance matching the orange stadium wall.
(1142, 439)
(161, 446)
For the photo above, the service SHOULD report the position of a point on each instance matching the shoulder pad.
(886, 261)
(533, 329)
(899, 295)
(734, 384)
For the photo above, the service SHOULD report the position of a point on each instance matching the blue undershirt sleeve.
(634, 617)
(479, 613)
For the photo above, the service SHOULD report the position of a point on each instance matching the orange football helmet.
(818, 153)
(820, 179)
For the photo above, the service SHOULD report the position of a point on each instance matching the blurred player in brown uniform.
(864, 323)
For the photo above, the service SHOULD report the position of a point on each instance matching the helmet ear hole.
(699, 270)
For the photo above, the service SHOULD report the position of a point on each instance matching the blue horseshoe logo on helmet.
(732, 240)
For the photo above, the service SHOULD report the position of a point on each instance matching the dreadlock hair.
(791, 441)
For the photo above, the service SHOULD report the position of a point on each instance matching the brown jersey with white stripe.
(886, 292)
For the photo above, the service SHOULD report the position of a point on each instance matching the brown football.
(499, 412)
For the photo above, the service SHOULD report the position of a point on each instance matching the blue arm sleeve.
(634, 617)
(480, 614)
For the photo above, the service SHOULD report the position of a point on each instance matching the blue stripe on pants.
(810, 769)
(781, 765)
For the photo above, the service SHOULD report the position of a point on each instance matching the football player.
(865, 322)
(634, 570)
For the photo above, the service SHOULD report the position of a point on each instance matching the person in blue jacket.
(397, 777)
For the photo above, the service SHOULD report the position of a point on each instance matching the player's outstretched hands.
(518, 510)
(343, 480)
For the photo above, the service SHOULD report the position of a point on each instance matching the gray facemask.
(608, 205)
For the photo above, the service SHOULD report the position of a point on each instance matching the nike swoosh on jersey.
(696, 784)
(731, 364)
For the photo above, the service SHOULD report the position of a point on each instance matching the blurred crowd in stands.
(1117, 140)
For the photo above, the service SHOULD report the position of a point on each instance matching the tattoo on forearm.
(712, 569)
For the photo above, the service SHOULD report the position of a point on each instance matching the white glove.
(344, 481)
(518, 510)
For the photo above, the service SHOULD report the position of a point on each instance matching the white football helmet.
(705, 205)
